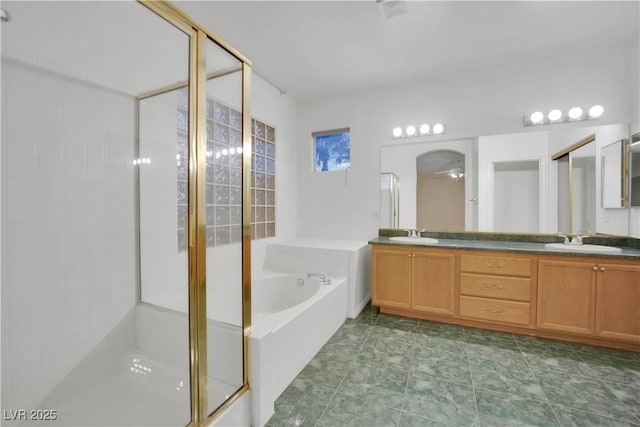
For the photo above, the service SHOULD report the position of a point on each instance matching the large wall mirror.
(437, 184)
(513, 183)
(577, 187)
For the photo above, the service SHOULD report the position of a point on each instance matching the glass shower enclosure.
(125, 216)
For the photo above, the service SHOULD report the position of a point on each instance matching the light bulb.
(536, 117)
(575, 113)
(554, 115)
(424, 129)
(239, 150)
(397, 132)
(225, 152)
(438, 128)
(411, 130)
(596, 111)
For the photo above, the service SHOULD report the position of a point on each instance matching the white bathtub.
(280, 292)
(290, 324)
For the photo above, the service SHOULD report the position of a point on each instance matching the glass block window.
(263, 179)
(183, 167)
(332, 150)
(224, 175)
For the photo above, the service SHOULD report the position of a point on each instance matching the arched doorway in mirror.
(440, 191)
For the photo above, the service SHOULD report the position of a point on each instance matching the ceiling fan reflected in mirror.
(453, 173)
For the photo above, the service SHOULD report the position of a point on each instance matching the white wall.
(69, 229)
(471, 103)
(280, 111)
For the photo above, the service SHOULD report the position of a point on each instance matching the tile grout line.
(346, 373)
(473, 384)
(538, 382)
(596, 378)
(406, 385)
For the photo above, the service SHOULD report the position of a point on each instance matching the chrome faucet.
(414, 233)
(324, 277)
(575, 240)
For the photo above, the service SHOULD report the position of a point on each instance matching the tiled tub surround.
(383, 370)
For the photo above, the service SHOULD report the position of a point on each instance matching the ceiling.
(309, 49)
(313, 49)
(120, 45)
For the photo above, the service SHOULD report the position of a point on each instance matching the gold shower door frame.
(198, 36)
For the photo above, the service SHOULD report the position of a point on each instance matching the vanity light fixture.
(424, 130)
(575, 113)
(554, 116)
(596, 111)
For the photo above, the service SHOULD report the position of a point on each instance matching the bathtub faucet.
(324, 278)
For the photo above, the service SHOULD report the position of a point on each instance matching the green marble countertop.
(494, 243)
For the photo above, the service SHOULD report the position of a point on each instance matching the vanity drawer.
(496, 264)
(494, 310)
(481, 285)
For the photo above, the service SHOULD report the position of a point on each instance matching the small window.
(332, 150)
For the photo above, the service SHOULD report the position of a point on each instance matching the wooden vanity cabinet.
(433, 279)
(591, 297)
(417, 279)
(593, 300)
(566, 296)
(391, 277)
(496, 287)
(618, 301)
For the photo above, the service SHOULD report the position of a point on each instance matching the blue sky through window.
(333, 151)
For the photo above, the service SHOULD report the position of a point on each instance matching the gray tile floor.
(381, 370)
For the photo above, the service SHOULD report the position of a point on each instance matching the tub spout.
(324, 278)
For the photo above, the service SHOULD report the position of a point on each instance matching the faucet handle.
(566, 239)
(409, 232)
(577, 240)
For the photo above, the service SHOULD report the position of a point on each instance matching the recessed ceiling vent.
(4, 16)
(392, 8)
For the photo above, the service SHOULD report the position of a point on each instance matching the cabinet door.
(618, 302)
(566, 296)
(433, 280)
(391, 270)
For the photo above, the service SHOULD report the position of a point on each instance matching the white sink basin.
(582, 248)
(414, 240)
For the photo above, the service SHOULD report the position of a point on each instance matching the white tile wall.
(68, 226)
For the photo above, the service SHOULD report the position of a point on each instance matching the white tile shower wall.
(69, 267)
